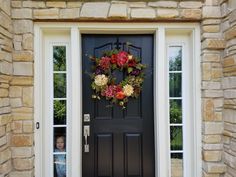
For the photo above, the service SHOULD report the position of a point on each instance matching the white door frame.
(160, 93)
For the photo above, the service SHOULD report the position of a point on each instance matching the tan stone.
(28, 42)
(6, 68)
(16, 102)
(137, 4)
(5, 32)
(206, 71)
(167, 13)
(3, 140)
(22, 56)
(17, 45)
(25, 13)
(211, 12)
(218, 116)
(212, 139)
(208, 110)
(211, 57)
(22, 116)
(4, 102)
(6, 167)
(212, 156)
(118, 11)
(22, 110)
(27, 173)
(211, 2)
(22, 81)
(165, 4)
(56, 4)
(5, 155)
(22, 152)
(191, 14)
(52, 13)
(231, 33)
(5, 56)
(190, 4)
(232, 17)
(211, 22)
(74, 4)
(143, 13)
(28, 96)
(23, 26)
(5, 119)
(211, 28)
(212, 128)
(22, 140)
(28, 126)
(23, 68)
(216, 73)
(210, 174)
(5, 5)
(3, 92)
(212, 93)
(34, 4)
(95, 10)
(23, 164)
(229, 116)
(17, 127)
(213, 44)
(229, 61)
(214, 167)
(15, 91)
(16, 3)
(69, 13)
(6, 21)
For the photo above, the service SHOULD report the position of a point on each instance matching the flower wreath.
(103, 80)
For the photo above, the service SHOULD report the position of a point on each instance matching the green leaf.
(130, 69)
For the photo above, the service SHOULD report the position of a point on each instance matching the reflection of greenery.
(59, 85)
(176, 138)
(175, 63)
(175, 112)
(175, 84)
(59, 58)
(59, 109)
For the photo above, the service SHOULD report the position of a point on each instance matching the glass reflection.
(176, 138)
(176, 165)
(175, 58)
(59, 58)
(175, 84)
(59, 112)
(60, 165)
(175, 111)
(59, 85)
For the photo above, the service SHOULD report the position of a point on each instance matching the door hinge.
(37, 125)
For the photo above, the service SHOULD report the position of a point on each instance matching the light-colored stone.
(16, 102)
(56, 4)
(118, 11)
(4, 102)
(211, 28)
(213, 93)
(17, 45)
(6, 167)
(230, 93)
(4, 92)
(213, 44)
(95, 10)
(211, 57)
(190, 4)
(5, 56)
(214, 167)
(229, 115)
(5, 119)
(52, 13)
(230, 160)
(27, 42)
(3, 140)
(231, 33)
(137, 4)
(28, 96)
(143, 13)
(16, 4)
(23, 26)
(229, 82)
(211, 22)
(5, 5)
(229, 61)
(211, 12)
(23, 68)
(212, 128)
(232, 17)
(2, 131)
(22, 81)
(24, 13)
(22, 116)
(5, 155)
(6, 21)
(74, 4)
(167, 13)
(212, 156)
(19, 140)
(22, 56)
(28, 126)
(23, 164)
(165, 4)
(6, 68)
(212, 139)
(69, 13)
(191, 14)
(206, 71)
(34, 4)
(17, 127)
(211, 2)
(27, 173)
(22, 152)
(15, 91)
(208, 110)
(211, 85)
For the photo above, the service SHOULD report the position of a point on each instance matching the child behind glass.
(60, 159)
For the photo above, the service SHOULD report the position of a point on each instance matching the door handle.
(86, 135)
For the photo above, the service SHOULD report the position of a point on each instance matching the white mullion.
(175, 72)
(59, 72)
(177, 125)
(59, 99)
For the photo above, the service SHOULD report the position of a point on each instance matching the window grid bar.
(175, 98)
(176, 125)
(59, 99)
(60, 126)
(59, 72)
(175, 151)
(175, 72)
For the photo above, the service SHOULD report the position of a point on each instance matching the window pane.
(176, 165)
(176, 138)
(59, 85)
(59, 112)
(175, 58)
(175, 82)
(175, 111)
(59, 58)
(60, 165)
(59, 139)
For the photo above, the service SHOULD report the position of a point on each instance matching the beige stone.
(22, 140)
(118, 11)
(22, 152)
(212, 139)
(23, 13)
(95, 10)
(69, 13)
(211, 22)
(208, 110)
(206, 71)
(137, 4)
(6, 21)
(23, 164)
(22, 110)
(216, 73)
(28, 173)
(231, 33)
(52, 13)
(4, 102)
(5, 155)
(16, 102)
(211, 2)
(214, 167)
(23, 68)
(6, 167)
(230, 93)
(34, 4)
(17, 126)
(213, 44)
(5, 5)
(143, 13)
(191, 14)
(5, 56)
(28, 96)
(28, 126)
(6, 68)
(213, 93)
(74, 4)
(230, 160)
(190, 4)
(229, 82)
(16, 3)
(5, 119)
(211, 28)
(56, 4)
(229, 61)
(22, 56)
(2, 131)
(211, 12)
(232, 17)
(229, 115)
(165, 4)
(22, 116)
(22, 81)
(211, 57)
(17, 45)
(15, 91)
(212, 128)
(3, 92)
(167, 13)
(211, 85)
(23, 26)
(28, 41)
(212, 156)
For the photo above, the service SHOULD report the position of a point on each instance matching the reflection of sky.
(173, 52)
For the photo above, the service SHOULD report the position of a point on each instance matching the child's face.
(60, 143)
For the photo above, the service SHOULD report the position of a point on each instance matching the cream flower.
(128, 90)
(101, 80)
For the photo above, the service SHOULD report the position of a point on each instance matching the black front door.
(121, 141)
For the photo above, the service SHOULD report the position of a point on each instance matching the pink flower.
(122, 58)
(105, 62)
(109, 91)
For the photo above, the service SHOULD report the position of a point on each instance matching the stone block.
(167, 13)
(56, 4)
(229, 61)
(232, 17)
(211, 2)
(23, 68)
(212, 93)
(4, 102)
(229, 82)
(213, 44)
(233, 145)
(2, 131)
(24, 13)
(22, 152)
(211, 22)
(23, 26)
(6, 21)
(19, 140)
(23, 164)
(52, 13)
(22, 81)
(28, 126)
(5, 5)
(22, 110)
(28, 96)
(208, 110)
(118, 11)
(69, 13)
(212, 139)
(16, 4)
(230, 160)
(22, 116)
(191, 14)
(137, 4)
(212, 128)
(216, 73)
(211, 85)
(16, 102)
(6, 167)
(231, 33)
(28, 41)
(190, 4)
(29, 173)
(6, 68)
(5, 56)
(17, 45)
(3, 140)
(211, 28)
(74, 4)
(211, 167)
(230, 93)
(5, 155)
(230, 127)
(34, 4)
(211, 12)
(140, 13)
(229, 115)
(95, 10)
(5, 119)
(212, 156)
(22, 56)
(4, 92)
(17, 127)
(15, 91)
(164, 4)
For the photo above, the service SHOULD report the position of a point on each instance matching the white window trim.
(160, 93)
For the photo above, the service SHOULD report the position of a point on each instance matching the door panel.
(121, 140)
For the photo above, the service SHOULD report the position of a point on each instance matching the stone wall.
(5, 77)
(229, 86)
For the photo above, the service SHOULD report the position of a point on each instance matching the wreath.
(104, 82)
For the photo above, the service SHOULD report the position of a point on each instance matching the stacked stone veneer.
(218, 63)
